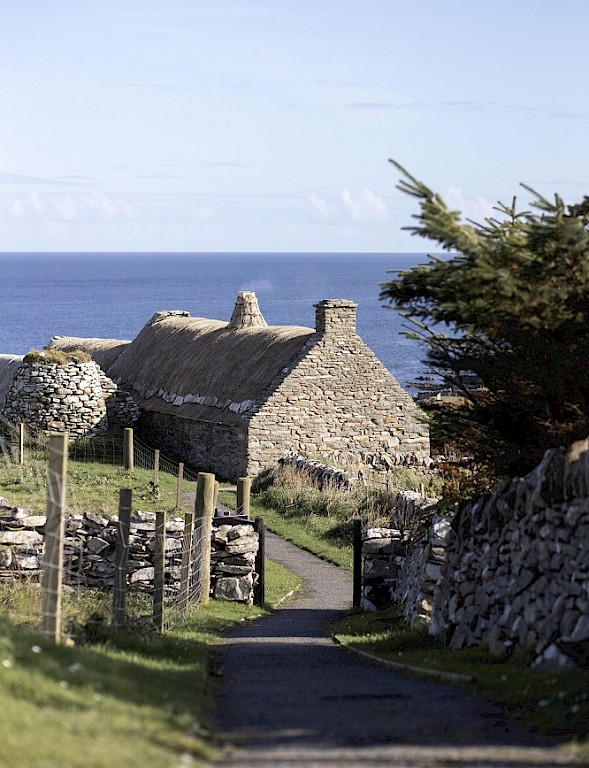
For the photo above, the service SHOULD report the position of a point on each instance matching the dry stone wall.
(326, 475)
(76, 397)
(57, 398)
(517, 565)
(510, 569)
(89, 552)
(400, 568)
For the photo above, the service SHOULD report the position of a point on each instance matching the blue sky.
(266, 125)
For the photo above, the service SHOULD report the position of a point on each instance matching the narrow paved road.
(290, 697)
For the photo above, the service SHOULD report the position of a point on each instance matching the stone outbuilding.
(232, 397)
(68, 395)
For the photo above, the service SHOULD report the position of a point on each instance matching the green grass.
(89, 487)
(314, 533)
(321, 522)
(554, 704)
(129, 701)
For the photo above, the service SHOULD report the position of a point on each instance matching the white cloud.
(66, 208)
(475, 209)
(364, 208)
(321, 207)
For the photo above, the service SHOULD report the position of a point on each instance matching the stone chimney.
(246, 313)
(336, 316)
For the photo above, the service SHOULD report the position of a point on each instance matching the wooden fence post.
(156, 468)
(357, 588)
(21, 443)
(119, 595)
(186, 566)
(244, 486)
(179, 485)
(128, 457)
(159, 570)
(54, 533)
(216, 496)
(204, 509)
(260, 563)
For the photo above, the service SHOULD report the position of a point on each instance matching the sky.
(267, 125)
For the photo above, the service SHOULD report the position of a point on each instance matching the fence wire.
(90, 564)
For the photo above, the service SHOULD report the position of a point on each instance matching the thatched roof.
(199, 368)
(8, 366)
(102, 351)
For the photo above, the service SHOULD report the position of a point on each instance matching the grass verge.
(554, 704)
(130, 700)
(312, 533)
(321, 521)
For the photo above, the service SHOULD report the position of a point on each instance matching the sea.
(113, 295)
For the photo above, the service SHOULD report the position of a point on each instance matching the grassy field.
(126, 700)
(91, 486)
(102, 699)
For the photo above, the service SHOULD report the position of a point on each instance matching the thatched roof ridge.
(102, 351)
(8, 367)
(208, 363)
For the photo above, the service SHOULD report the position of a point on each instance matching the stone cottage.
(232, 397)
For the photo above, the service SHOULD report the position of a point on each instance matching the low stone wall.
(517, 565)
(89, 552)
(326, 475)
(399, 569)
(322, 475)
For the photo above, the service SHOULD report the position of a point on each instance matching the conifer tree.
(510, 304)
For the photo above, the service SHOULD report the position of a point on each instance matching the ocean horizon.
(113, 295)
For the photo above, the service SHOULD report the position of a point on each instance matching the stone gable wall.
(339, 399)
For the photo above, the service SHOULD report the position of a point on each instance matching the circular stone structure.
(57, 397)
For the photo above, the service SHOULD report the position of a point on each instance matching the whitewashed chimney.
(246, 313)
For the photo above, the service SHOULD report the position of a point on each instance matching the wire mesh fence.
(160, 563)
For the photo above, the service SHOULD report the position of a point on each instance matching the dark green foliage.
(511, 305)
